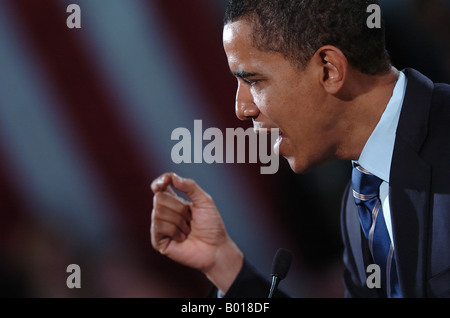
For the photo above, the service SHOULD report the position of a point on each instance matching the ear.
(333, 68)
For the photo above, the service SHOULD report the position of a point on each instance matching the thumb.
(193, 191)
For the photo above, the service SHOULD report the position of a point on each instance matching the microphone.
(280, 267)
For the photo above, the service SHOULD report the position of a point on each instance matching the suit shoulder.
(441, 93)
(440, 104)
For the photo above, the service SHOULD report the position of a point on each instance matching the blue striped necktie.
(366, 194)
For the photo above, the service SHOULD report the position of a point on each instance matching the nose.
(245, 106)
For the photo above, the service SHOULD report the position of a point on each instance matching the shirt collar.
(377, 153)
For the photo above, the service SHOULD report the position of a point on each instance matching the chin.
(298, 166)
(301, 165)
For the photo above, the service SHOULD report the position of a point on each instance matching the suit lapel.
(410, 186)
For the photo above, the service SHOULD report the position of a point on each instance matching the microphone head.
(281, 263)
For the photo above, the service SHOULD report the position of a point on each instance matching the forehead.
(238, 35)
(238, 45)
(232, 29)
(242, 55)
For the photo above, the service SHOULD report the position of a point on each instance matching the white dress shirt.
(376, 156)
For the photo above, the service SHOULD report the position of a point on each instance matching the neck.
(367, 98)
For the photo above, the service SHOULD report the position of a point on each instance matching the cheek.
(265, 104)
(259, 97)
(270, 101)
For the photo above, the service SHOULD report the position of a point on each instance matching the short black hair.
(298, 28)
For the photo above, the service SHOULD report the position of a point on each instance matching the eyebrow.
(243, 74)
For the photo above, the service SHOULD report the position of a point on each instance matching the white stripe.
(384, 197)
(388, 271)
(375, 213)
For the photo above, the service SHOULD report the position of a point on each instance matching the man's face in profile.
(275, 93)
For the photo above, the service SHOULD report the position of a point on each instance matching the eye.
(250, 82)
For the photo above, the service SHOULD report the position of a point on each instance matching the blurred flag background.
(86, 117)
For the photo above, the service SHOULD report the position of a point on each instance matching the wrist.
(227, 266)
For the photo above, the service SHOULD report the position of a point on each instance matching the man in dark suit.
(319, 74)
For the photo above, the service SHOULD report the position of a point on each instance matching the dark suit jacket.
(419, 191)
(419, 199)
